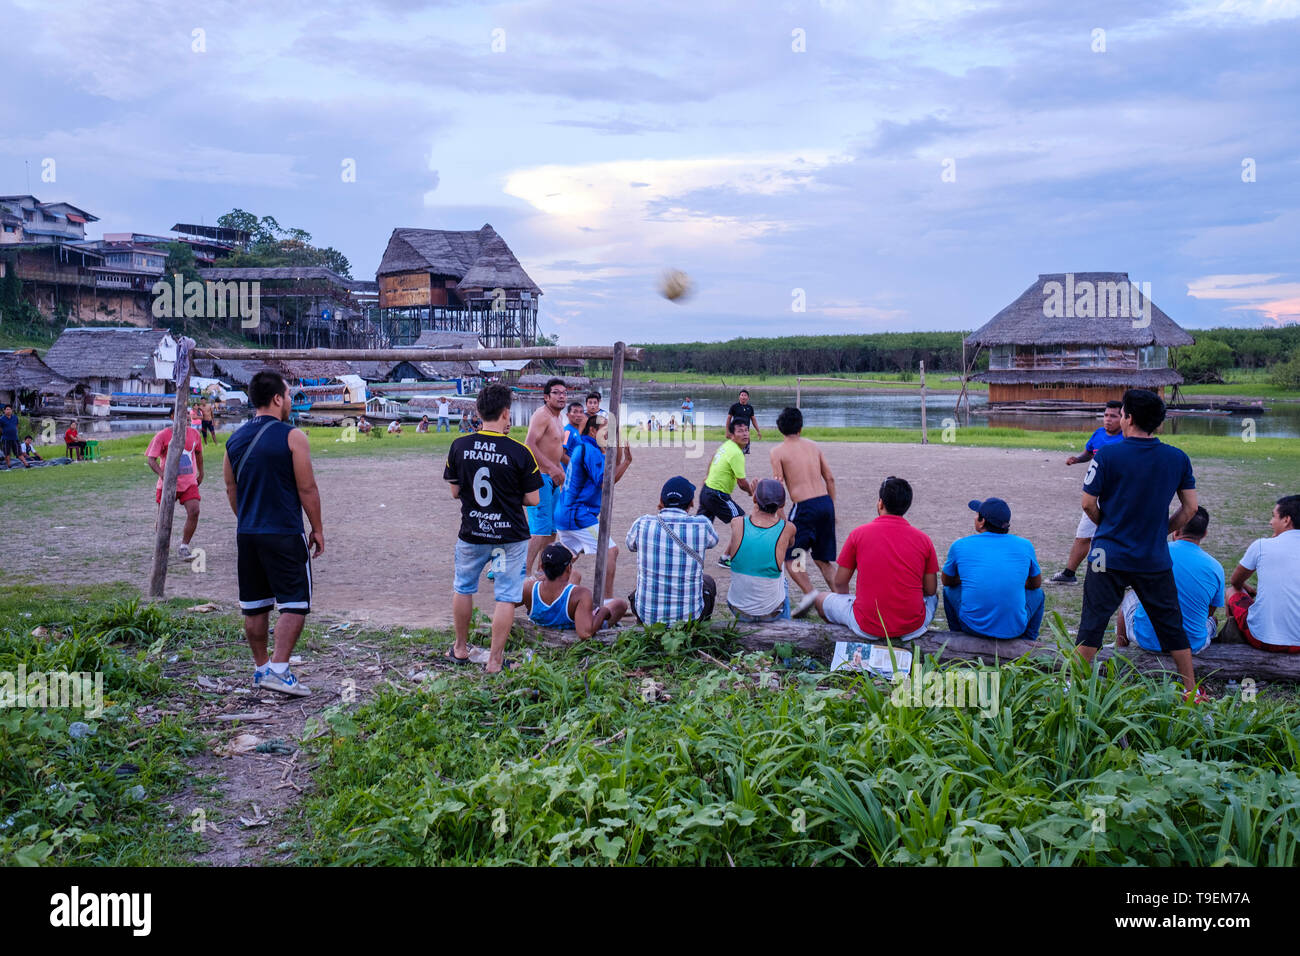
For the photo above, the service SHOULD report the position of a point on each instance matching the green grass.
(99, 798)
(568, 761)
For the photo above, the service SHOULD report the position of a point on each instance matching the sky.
(813, 167)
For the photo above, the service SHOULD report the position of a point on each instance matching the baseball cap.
(677, 492)
(555, 559)
(994, 511)
(769, 493)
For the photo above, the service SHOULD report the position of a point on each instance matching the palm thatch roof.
(23, 371)
(432, 339)
(479, 259)
(272, 273)
(238, 371)
(105, 353)
(1026, 321)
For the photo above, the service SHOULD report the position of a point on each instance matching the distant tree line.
(1218, 350)
(812, 354)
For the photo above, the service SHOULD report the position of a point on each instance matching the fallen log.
(817, 639)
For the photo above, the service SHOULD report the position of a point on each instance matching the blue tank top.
(266, 492)
(756, 555)
(555, 614)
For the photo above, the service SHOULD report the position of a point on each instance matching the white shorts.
(1086, 528)
(838, 609)
(583, 539)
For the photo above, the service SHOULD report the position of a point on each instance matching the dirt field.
(390, 524)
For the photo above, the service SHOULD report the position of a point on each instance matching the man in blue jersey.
(269, 483)
(1200, 584)
(573, 429)
(1108, 434)
(992, 584)
(1126, 493)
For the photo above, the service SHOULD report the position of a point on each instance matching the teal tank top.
(756, 555)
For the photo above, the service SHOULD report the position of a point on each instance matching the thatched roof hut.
(1081, 337)
(429, 339)
(25, 378)
(115, 359)
(478, 259)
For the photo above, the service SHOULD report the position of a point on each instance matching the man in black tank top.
(270, 483)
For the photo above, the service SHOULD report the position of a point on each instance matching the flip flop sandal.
(451, 656)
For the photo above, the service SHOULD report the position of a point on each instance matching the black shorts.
(209, 427)
(274, 569)
(716, 506)
(9, 447)
(814, 528)
(1103, 591)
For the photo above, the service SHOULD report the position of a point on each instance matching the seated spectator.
(363, 426)
(759, 543)
(1199, 579)
(992, 584)
(558, 601)
(1268, 614)
(465, 426)
(76, 446)
(28, 449)
(898, 579)
(394, 427)
(423, 426)
(671, 585)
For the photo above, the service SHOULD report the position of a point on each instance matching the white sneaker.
(184, 553)
(806, 604)
(285, 683)
(259, 673)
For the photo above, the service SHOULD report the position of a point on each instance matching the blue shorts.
(814, 528)
(541, 516)
(507, 565)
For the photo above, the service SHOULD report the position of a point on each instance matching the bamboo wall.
(1092, 394)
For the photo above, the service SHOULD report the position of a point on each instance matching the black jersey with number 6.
(494, 473)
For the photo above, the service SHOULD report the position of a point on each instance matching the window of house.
(1000, 356)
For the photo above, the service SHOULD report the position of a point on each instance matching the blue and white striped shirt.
(669, 582)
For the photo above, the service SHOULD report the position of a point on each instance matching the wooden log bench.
(817, 639)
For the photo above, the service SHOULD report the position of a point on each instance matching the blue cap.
(677, 493)
(994, 511)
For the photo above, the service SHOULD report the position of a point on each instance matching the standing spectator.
(1268, 615)
(1108, 434)
(444, 416)
(742, 411)
(577, 513)
(207, 426)
(1126, 493)
(188, 479)
(545, 439)
(1199, 579)
(270, 483)
(759, 542)
(671, 585)
(573, 428)
(688, 412)
(76, 445)
(992, 584)
(898, 573)
(9, 436)
(800, 464)
(593, 405)
(495, 477)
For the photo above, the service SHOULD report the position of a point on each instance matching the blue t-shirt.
(1200, 587)
(1134, 481)
(8, 428)
(1100, 439)
(571, 438)
(993, 569)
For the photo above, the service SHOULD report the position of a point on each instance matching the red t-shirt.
(187, 477)
(71, 435)
(890, 557)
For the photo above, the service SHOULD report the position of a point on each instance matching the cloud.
(1261, 294)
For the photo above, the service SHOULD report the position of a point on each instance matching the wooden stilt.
(611, 464)
(925, 431)
(171, 468)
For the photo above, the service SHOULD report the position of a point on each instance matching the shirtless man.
(801, 466)
(546, 441)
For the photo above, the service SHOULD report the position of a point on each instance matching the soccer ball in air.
(675, 285)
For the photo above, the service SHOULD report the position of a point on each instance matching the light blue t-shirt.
(572, 438)
(1199, 579)
(993, 569)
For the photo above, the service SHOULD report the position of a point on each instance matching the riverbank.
(881, 382)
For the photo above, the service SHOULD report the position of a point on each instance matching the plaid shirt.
(669, 582)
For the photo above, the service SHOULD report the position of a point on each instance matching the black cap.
(677, 492)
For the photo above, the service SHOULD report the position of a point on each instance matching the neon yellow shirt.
(727, 466)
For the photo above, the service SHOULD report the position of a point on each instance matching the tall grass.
(569, 762)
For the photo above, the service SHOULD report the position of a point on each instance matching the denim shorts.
(507, 562)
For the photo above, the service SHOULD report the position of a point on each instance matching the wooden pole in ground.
(798, 393)
(171, 468)
(925, 432)
(611, 465)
